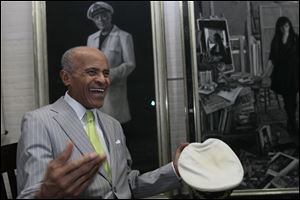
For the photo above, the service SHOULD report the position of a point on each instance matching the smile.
(100, 90)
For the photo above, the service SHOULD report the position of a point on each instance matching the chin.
(95, 105)
(100, 28)
(98, 105)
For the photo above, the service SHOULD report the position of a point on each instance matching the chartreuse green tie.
(92, 133)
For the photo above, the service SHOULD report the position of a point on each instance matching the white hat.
(97, 8)
(210, 166)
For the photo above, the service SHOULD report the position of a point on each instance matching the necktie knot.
(89, 116)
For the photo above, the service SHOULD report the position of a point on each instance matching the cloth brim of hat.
(210, 166)
(99, 11)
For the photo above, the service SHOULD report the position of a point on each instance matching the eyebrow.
(91, 68)
(96, 69)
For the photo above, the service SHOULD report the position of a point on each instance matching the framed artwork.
(238, 52)
(280, 171)
(241, 122)
(265, 138)
(215, 42)
(59, 26)
(281, 164)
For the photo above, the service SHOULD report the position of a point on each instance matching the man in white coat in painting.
(117, 45)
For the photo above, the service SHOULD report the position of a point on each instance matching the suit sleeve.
(150, 183)
(154, 182)
(33, 155)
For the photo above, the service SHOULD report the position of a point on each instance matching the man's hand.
(266, 82)
(69, 178)
(177, 154)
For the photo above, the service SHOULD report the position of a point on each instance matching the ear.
(65, 77)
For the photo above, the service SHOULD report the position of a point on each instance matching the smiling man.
(71, 149)
(85, 72)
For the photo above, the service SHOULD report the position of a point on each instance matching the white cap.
(210, 166)
(97, 8)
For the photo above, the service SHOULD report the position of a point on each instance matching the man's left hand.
(177, 154)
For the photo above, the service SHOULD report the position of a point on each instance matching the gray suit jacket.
(45, 133)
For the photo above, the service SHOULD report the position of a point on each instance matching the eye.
(91, 72)
(106, 73)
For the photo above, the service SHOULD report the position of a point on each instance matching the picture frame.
(281, 164)
(70, 17)
(215, 41)
(265, 138)
(267, 183)
(244, 138)
(238, 52)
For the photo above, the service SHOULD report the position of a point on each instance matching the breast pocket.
(119, 150)
(120, 154)
(115, 51)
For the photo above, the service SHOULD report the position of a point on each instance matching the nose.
(100, 18)
(102, 79)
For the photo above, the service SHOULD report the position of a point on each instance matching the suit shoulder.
(107, 117)
(126, 34)
(40, 110)
(122, 32)
(94, 35)
(40, 113)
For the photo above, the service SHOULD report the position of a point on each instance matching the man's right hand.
(69, 178)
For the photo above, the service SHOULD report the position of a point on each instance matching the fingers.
(182, 146)
(94, 158)
(81, 183)
(63, 177)
(77, 180)
(64, 180)
(65, 155)
(79, 168)
(86, 183)
(177, 154)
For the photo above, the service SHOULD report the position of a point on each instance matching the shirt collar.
(112, 32)
(77, 107)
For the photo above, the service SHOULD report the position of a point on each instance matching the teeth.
(97, 90)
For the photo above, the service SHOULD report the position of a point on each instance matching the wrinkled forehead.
(91, 57)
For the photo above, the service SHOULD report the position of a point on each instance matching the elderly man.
(72, 149)
(117, 45)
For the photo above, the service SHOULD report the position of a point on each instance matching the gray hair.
(68, 59)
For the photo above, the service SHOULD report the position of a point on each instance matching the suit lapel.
(69, 122)
(71, 125)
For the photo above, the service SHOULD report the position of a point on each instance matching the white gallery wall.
(17, 69)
